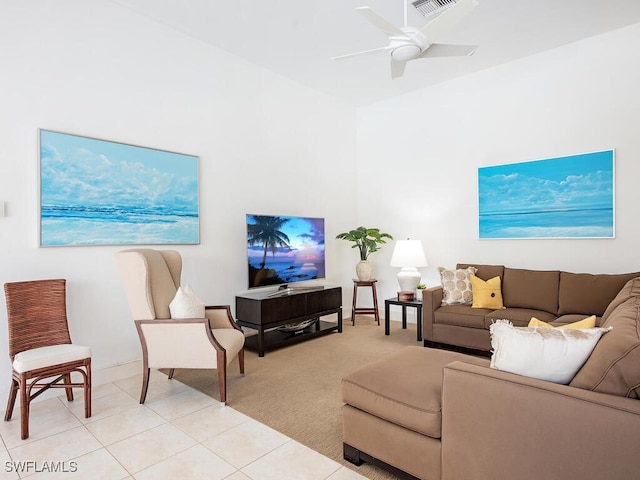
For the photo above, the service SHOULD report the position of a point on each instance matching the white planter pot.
(364, 270)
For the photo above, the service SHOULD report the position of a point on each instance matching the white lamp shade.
(408, 253)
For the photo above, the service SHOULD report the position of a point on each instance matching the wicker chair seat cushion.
(48, 356)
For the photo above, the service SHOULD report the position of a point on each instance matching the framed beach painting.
(98, 192)
(564, 197)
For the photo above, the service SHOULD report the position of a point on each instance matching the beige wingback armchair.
(151, 279)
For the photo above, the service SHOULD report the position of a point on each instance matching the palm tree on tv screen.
(266, 232)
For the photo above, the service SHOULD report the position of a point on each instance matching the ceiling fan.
(408, 43)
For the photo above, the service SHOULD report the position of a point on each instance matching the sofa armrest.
(431, 300)
(500, 425)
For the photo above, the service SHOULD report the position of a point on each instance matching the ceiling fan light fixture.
(428, 8)
(408, 43)
(404, 53)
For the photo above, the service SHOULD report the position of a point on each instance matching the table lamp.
(409, 255)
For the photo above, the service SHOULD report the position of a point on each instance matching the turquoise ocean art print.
(97, 192)
(564, 197)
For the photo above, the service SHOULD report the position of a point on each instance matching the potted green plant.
(368, 241)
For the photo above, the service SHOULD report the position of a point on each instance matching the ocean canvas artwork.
(98, 192)
(564, 197)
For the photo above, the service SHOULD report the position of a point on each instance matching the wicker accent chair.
(40, 347)
(151, 279)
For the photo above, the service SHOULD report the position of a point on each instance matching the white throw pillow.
(550, 354)
(186, 304)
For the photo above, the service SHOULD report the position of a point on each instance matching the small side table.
(417, 304)
(364, 310)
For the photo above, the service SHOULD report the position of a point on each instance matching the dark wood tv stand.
(265, 312)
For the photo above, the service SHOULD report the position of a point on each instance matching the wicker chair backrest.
(36, 314)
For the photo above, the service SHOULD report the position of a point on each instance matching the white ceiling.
(297, 38)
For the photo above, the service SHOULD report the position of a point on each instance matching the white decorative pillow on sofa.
(550, 354)
(456, 286)
(186, 304)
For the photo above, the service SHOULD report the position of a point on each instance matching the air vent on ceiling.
(429, 7)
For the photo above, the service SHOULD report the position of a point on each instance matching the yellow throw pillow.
(589, 322)
(486, 294)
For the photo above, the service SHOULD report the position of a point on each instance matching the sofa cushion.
(629, 290)
(550, 354)
(404, 388)
(520, 317)
(536, 289)
(485, 272)
(486, 294)
(589, 294)
(456, 286)
(614, 365)
(461, 315)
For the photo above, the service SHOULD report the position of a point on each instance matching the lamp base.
(406, 296)
(408, 279)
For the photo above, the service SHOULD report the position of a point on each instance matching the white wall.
(266, 145)
(269, 145)
(418, 155)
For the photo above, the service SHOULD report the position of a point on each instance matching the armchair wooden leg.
(222, 375)
(222, 381)
(241, 360)
(12, 400)
(145, 384)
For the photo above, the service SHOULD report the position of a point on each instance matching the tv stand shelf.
(264, 313)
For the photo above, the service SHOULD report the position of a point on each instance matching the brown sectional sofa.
(441, 415)
(552, 296)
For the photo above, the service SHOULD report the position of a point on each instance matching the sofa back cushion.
(589, 294)
(485, 272)
(629, 290)
(534, 289)
(613, 366)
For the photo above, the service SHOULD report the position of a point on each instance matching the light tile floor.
(178, 433)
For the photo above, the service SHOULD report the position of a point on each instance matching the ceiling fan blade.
(447, 19)
(397, 68)
(364, 52)
(380, 22)
(446, 50)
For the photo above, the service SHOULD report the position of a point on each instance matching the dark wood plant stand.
(355, 310)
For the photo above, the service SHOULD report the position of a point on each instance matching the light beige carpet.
(296, 389)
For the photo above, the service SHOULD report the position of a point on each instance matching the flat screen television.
(284, 249)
